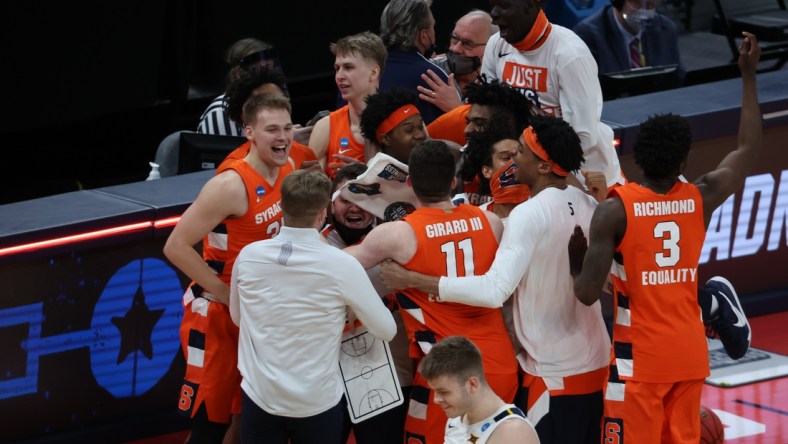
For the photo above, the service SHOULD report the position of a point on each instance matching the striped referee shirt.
(216, 121)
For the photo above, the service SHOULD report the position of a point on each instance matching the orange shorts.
(651, 412)
(210, 345)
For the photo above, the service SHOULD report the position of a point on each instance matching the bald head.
(470, 34)
(481, 20)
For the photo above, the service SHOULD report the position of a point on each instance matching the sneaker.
(731, 323)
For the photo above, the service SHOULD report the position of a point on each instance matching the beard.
(351, 236)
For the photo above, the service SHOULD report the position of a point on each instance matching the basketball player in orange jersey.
(336, 138)
(566, 347)
(440, 238)
(652, 235)
(392, 124)
(237, 206)
(489, 103)
(260, 81)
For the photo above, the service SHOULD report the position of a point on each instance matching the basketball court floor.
(752, 412)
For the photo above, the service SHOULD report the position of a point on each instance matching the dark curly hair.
(478, 152)
(662, 144)
(380, 106)
(507, 103)
(241, 89)
(560, 141)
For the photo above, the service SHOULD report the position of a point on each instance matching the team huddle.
(485, 280)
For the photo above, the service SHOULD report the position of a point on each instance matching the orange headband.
(529, 136)
(395, 119)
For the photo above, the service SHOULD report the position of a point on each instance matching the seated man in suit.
(631, 34)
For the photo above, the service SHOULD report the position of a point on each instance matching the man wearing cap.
(566, 343)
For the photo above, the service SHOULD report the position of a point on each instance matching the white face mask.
(639, 18)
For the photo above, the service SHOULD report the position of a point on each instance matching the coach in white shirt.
(289, 295)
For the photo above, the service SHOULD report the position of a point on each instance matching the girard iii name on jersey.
(453, 227)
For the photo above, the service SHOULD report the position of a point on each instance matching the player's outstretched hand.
(311, 165)
(340, 161)
(577, 251)
(749, 53)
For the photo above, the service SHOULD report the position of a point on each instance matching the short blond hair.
(305, 194)
(454, 356)
(365, 44)
(258, 102)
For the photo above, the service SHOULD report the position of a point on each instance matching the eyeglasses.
(466, 44)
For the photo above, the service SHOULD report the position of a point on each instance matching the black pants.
(572, 419)
(385, 428)
(204, 431)
(259, 426)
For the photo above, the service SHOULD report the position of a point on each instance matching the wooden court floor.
(756, 413)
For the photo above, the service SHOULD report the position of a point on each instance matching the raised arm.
(607, 227)
(717, 185)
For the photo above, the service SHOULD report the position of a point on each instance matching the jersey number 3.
(670, 234)
(449, 250)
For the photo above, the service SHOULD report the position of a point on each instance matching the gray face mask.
(639, 18)
(460, 65)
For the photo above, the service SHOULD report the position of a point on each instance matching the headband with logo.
(395, 119)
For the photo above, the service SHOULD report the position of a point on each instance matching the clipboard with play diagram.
(370, 378)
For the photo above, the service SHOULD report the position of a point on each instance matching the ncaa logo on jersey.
(260, 192)
(344, 142)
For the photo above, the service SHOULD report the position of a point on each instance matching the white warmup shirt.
(459, 432)
(561, 335)
(289, 295)
(560, 79)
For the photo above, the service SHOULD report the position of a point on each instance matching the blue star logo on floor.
(136, 327)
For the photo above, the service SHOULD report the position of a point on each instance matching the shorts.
(210, 345)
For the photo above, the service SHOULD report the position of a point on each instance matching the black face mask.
(351, 236)
(461, 65)
(428, 53)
